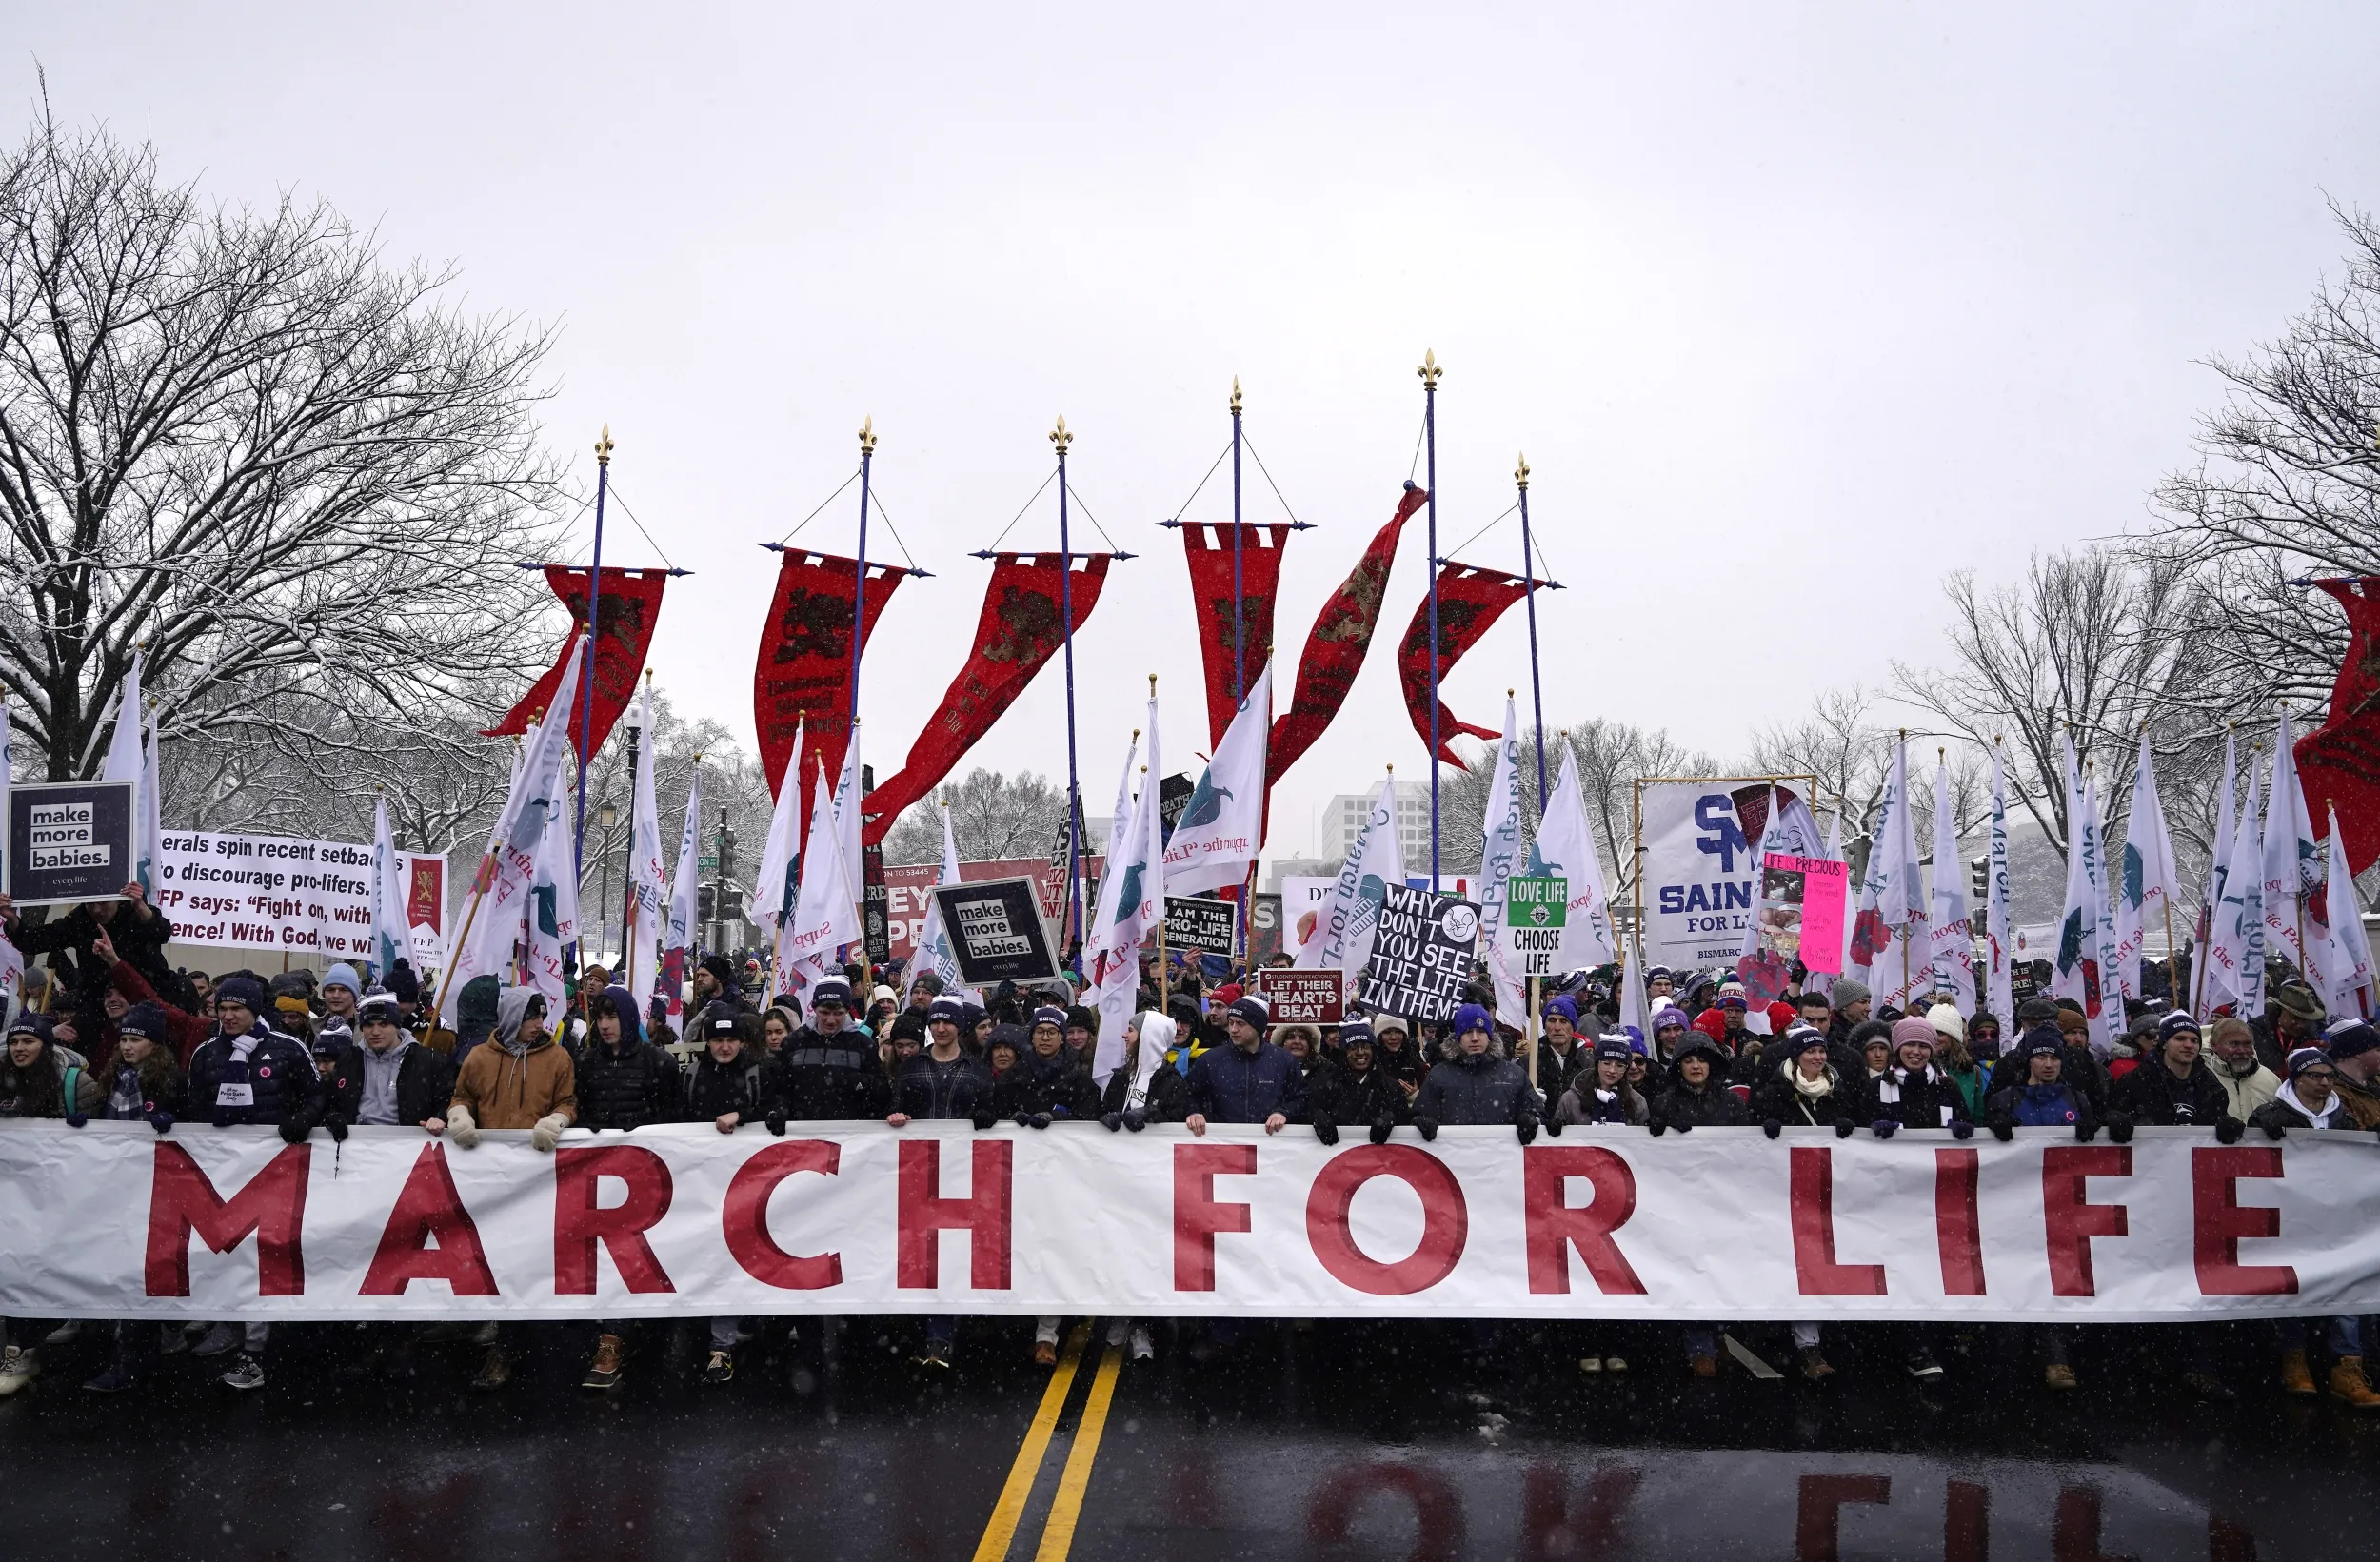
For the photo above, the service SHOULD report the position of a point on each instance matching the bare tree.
(300, 477)
(992, 817)
(1612, 756)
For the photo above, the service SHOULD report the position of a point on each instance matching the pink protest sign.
(1801, 909)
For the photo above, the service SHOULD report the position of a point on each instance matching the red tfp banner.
(2340, 762)
(1020, 628)
(112, 1221)
(1209, 550)
(1336, 643)
(804, 668)
(1470, 600)
(629, 605)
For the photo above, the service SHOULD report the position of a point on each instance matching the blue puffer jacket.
(1228, 1085)
(279, 1073)
(1483, 1091)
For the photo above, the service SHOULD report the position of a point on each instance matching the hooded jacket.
(1712, 1105)
(929, 1090)
(1479, 1089)
(1778, 1099)
(1168, 1097)
(189, 1031)
(2286, 1111)
(21, 1092)
(2041, 1106)
(1353, 1101)
(425, 1082)
(1581, 1103)
(751, 1087)
(1059, 1086)
(507, 1084)
(627, 1087)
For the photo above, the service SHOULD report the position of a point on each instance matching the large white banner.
(112, 1221)
(278, 892)
(1698, 873)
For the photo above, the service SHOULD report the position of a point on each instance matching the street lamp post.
(605, 817)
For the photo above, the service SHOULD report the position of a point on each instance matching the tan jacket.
(503, 1091)
(2247, 1092)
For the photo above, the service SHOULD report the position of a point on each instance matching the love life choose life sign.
(1536, 910)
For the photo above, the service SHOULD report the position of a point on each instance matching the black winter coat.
(1774, 1100)
(1713, 1106)
(1168, 1097)
(931, 1091)
(280, 1074)
(1485, 1090)
(2077, 1068)
(1929, 1098)
(1358, 1100)
(2153, 1097)
(750, 1087)
(1059, 1086)
(629, 1088)
(834, 1078)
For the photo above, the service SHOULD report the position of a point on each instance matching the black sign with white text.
(997, 931)
(68, 841)
(1196, 922)
(1421, 955)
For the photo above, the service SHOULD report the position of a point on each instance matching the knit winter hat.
(1049, 1013)
(1253, 1010)
(29, 1023)
(1614, 1048)
(2045, 1041)
(1471, 1016)
(1354, 1033)
(1804, 1038)
(1913, 1031)
(946, 1009)
(1667, 1016)
(2174, 1023)
(1946, 1020)
(146, 1020)
(1566, 1006)
(2349, 1037)
(2306, 1057)
(1847, 992)
(342, 975)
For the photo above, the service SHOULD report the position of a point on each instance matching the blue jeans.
(2342, 1337)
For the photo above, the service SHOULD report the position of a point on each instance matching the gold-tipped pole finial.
(1520, 473)
(868, 435)
(603, 448)
(1059, 436)
(1152, 685)
(1234, 395)
(1429, 370)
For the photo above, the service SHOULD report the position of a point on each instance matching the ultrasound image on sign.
(996, 931)
(1421, 955)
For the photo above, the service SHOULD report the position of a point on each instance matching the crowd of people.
(109, 1030)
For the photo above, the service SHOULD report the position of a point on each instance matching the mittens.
(985, 1118)
(1884, 1128)
(2228, 1129)
(2276, 1129)
(1381, 1128)
(1962, 1130)
(1135, 1119)
(293, 1131)
(336, 1127)
(1032, 1120)
(2004, 1132)
(1684, 1125)
(1772, 1127)
(1656, 1125)
(161, 1121)
(1327, 1129)
(2119, 1128)
(1113, 1122)
(1844, 1128)
(1428, 1127)
(1554, 1127)
(776, 1123)
(547, 1132)
(77, 1120)
(1525, 1128)
(460, 1127)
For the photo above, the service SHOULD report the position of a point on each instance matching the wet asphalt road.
(1337, 1442)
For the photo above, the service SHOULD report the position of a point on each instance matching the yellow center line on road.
(1064, 1509)
(1010, 1508)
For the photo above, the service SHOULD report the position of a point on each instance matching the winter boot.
(2348, 1382)
(2296, 1378)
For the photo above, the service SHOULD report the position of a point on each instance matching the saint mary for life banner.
(113, 1221)
(1699, 869)
(306, 897)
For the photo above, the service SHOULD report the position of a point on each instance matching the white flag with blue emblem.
(1222, 826)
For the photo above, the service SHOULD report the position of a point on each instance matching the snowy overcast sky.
(1794, 308)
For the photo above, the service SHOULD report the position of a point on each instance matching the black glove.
(776, 1122)
(2276, 1129)
(1113, 1122)
(2228, 1129)
(1884, 1128)
(1683, 1125)
(1428, 1127)
(1962, 1130)
(2119, 1128)
(1553, 1126)
(2085, 1130)
(2004, 1131)
(1036, 1119)
(76, 1119)
(985, 1118)
(161, 1121)
(1327, 1129)
(1525, 1128)
(1136, 1119)
(1844, 1128)
(1771, 1127)
(337, 1129)
(293, 1131)
(1656, 1125)
(1381, 1128)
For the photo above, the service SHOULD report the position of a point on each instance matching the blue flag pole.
(1430, 372)
(586, 664)
(1059, 438)
(1529, 585)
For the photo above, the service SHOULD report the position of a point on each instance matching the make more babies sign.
(68, 841)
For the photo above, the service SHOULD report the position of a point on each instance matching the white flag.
(11, 958)
(2148, 886)
(933, 951)
(1951, 931)
(1342, 937)
(2292, 861)
(847, 807)
(826, 914)
(1498, 860)
(1999, 978)
(553, 915)
(1565, 849)
(777, 877)
(1131, 903)
(1632, 998)
(2238, 952)
(496, 919)
(2212, 987)
(2097, 864)
(647, 891)
(679, 931)
(2341, 971)
(1891, 945)
(1221, 827)
(2075, 974)
(392, 931)
(125, 763)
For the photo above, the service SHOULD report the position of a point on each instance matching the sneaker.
(1814, 1366)
(1141, 1349)
(722, 1368)
(65, 1333)
(935, 1354)
(1615, 1364)
(495, 1370)
(171, 1340)
(1591, 1365)
(604, 1371)
(246, 1373)
(1044, 1353)
(222, 1339)
(2058, 1375)
(1922, 1366)
(1705, 1366)
(18, 1366)
(116, 1377)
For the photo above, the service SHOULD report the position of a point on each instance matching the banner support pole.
(1059, 438)
(586, 690)
(1239, 633)
(1529, 587)
(1430, 372)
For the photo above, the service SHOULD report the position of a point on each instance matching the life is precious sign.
(70, 841)
(1536, 910)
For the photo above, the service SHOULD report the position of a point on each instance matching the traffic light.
(1980, 873)
(733, 910)
(703, 908)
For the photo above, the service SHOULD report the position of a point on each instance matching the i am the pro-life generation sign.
(70, 841)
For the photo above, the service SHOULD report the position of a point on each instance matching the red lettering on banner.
(1818, 1512)
(925, 1214)
(181, 1204)
(743, 1216)
(1967, 1522)
(580, 1222)
(2219, 1222)
(2074, 1534)
(1436, 1506)
(1811, 1199)
(1550, 1528)
(1197, 1216)
(429, 1211)
(1554, 1226)
(1445, 1220)
(2069, 1220)
(1957, 1226)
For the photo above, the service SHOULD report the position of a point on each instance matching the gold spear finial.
(1234, 395)
(868, 435)
(1520, 473)
(1429, 370)
(603, 448)
(1059, 436)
